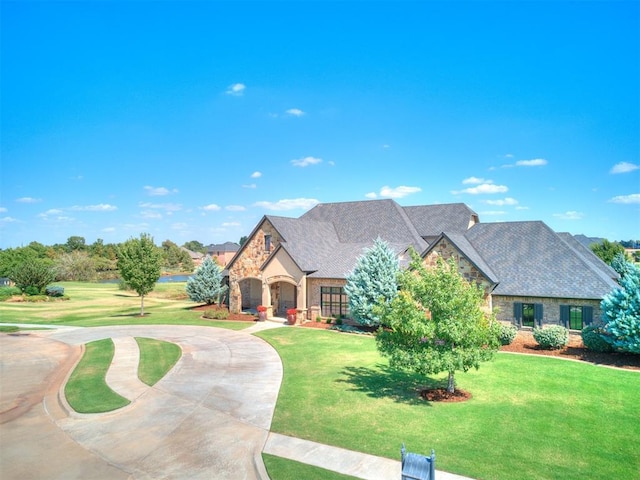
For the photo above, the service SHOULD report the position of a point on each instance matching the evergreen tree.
(140, 263)
(621, 313)
(205, 285)
(437, 323)
(372, 280)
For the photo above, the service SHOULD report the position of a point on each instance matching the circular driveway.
(209, 417)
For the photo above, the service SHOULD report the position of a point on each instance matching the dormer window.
(267, 243)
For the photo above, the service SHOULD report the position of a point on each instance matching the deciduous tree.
(436, 323)
(372, 280)
(139, 262)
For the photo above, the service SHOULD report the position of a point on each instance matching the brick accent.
(503, 307)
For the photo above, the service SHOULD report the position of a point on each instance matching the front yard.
(530, 416)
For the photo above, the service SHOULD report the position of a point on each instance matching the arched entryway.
(250, 293)
(283, 296)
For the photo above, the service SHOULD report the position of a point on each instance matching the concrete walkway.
(209, 417)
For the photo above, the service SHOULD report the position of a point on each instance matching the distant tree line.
(76, 260)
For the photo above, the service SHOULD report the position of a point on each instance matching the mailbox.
(418, 467)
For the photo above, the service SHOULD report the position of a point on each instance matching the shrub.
(508, 333)
(54, 291)
(216, 314)
(8, 292)
(592, 339)
(318, 319)
(31, 291)
(552, 337)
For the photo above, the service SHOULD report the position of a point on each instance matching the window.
(267, 243)
(527, 314)
(575, 317)
(333, 302)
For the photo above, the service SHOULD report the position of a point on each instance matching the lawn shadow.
(385, 382)
(133, 314)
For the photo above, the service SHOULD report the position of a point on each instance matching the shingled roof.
(530, 259)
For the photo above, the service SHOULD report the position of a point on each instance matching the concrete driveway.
(208, 418)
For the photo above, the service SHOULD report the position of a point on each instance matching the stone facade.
(247, 265)
(445, 250)
(503, 308)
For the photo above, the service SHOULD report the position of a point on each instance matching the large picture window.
(527, 314)
(333, 302)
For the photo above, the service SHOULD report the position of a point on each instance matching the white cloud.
(159, 191)
(633, 198)
(295, 112)
(8, 220)
(150, 214)
(484, 188)
(108, 229)
(237, 89)
(52, 211)
(179, 226)
(503, 202)
(398, 192)
(570, 215)
(288, 204)
(249, 185)
(235, 208)
(624, 167)
(168, 207)
(212, 207)
(28, 200)
(386, 146)
(3, 210)
(101, 207)
(256, 174)
(536, 162)
(475, 181)
(371, 195)
(231, 224)
(306, 161)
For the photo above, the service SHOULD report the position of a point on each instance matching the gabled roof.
(431, 220)
(530, 259)
(468, 250)
(224, 247)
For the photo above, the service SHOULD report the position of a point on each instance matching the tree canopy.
(607, 250)
(372, 280)
(205, 285)
(437, 323)
(139, 262)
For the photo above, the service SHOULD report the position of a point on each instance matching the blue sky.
(192, 120)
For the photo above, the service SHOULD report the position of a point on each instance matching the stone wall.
(249, 261)
(503, 308)
(445, 250)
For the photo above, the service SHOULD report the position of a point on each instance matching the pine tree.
(205, 285)
(621, 313)
(372, 280)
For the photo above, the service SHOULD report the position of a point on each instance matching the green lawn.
(530, 417)
(283, 469)
(86, 391)
(100, 304)
(157, 357)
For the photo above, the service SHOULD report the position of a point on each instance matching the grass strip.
(157, 357)
(285, 469)
(530, 417)
(87, 391)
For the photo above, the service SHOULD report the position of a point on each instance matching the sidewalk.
(346, 462)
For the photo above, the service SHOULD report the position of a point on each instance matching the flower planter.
(292, 315)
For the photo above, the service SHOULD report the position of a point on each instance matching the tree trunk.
(142, 305)
(451, 386)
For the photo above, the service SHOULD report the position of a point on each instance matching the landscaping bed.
(524, 343)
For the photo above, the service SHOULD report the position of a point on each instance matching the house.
(223, 252)
(196, 257)
(531, 275)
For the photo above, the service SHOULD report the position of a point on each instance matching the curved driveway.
(208, 418)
